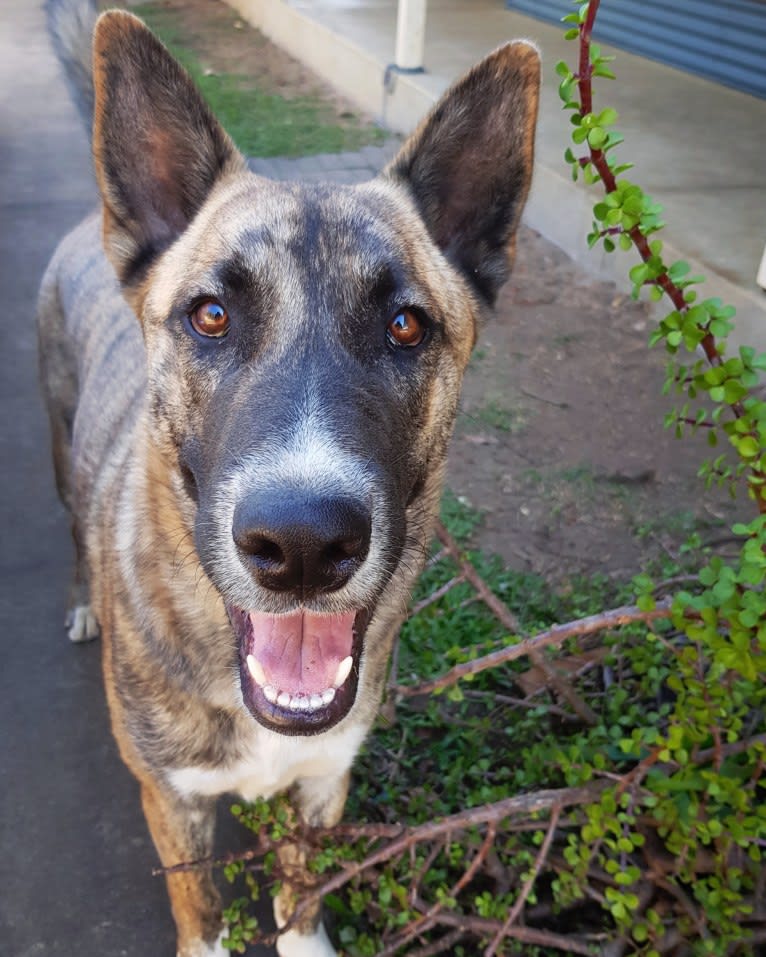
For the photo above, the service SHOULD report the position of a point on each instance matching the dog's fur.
(232, 493)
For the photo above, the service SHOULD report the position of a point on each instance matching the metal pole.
(410, 34)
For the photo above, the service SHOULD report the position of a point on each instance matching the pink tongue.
(300, 652)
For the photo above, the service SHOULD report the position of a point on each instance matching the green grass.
(459, 517)
(261, 123)
(496, 415)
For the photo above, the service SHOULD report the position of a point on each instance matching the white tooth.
(284, 699)
(344, 670)
(256, 670)
(315, 701)
(270, 694)
(299, 703)
(328, 695)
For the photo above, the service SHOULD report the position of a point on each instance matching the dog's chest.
(270, 763)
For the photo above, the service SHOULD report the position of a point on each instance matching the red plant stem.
(585, 69)
(702, 425)
(599, 160)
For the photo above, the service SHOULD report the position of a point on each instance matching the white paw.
(81, 624)
(293, 944)
(201, 949)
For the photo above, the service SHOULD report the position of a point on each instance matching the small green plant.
(707, 806)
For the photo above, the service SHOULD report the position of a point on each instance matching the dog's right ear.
(158, 150)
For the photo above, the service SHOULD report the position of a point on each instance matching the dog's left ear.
(469, 164)
(157, 148)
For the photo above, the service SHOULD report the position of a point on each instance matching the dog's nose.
(296, 541)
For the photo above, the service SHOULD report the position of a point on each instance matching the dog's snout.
(303, 543)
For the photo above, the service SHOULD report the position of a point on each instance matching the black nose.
(300, 542)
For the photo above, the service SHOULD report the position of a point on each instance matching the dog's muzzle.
(299, 671)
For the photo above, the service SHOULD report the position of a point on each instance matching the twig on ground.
(498, 608)
(519, 702)
(438, 946)
(522, 805)
(427, 920)
(436, 595)
(529, 883)
(542, 398)
(529, 935)
(557, 635)
(506, 617)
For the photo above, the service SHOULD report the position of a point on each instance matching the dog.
(251, 387)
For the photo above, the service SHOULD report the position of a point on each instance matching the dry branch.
(506, 617)
(529, 935)
(529, 883)
(427, 920)
(557, 635)
(522, 805)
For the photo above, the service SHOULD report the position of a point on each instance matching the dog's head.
(306, 347)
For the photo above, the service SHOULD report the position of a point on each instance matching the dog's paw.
(293, 944)
(199, 948)
(81, 624)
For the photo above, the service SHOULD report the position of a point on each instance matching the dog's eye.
(210, 319)
(406, 329)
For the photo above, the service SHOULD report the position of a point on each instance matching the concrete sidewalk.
(698, 147)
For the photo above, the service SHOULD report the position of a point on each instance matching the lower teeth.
(298, 702)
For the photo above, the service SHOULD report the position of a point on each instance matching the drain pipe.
(410, 38)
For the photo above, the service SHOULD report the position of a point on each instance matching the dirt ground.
(560, 442)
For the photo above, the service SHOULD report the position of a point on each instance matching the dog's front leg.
(319, 802)
(182, 830)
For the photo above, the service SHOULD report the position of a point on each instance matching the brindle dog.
(251, 389)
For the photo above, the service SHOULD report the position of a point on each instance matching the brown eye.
(406, 329)
(210, 319)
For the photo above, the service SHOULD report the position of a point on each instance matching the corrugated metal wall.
(724, 40)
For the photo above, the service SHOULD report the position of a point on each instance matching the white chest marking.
(272, 763)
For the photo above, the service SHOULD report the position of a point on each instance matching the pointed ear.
(158, 150)
(469, 164)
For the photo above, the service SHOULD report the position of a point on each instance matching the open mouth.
(299, 672)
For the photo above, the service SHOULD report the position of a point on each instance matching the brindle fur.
(155, 436)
